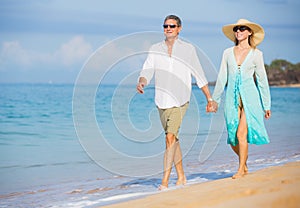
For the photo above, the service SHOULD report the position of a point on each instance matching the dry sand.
(274, 187)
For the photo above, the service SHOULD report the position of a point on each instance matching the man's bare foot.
(181, 182)
(238, 175)
(163, 186)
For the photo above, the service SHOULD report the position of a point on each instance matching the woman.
(247, 95)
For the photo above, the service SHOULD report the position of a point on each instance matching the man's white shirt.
(173, 74)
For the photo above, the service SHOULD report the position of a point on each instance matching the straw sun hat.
(257, 30)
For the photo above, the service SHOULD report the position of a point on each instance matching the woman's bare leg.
(243, 145)
(236, 150)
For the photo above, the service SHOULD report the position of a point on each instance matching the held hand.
(208, 107)
(140, 87)
(267, 114)
(211, 106)
(215, 106)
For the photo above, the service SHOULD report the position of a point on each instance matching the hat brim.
(258, 31)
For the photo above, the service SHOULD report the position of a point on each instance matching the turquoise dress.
(240, 84)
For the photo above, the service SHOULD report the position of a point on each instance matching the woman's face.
(241, 34)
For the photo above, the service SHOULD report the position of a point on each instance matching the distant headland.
(283, 73)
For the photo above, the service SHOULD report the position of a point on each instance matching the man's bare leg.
(168, 159)
(178, 165)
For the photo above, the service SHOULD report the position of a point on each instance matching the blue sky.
(50, 40)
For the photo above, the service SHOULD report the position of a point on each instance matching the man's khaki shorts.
(171, 118)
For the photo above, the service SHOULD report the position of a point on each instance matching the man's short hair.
(174, 17)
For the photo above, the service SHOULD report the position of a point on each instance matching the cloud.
(75, 51)
(12, 52)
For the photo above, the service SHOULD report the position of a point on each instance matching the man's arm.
(206, 92)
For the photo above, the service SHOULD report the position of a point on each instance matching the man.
(173, 62)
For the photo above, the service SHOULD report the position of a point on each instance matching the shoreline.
(275, 187)
(275, 85)
(287, 86)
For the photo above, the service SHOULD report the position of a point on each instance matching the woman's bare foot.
(246, 169)
(238, 175)
(181, 181)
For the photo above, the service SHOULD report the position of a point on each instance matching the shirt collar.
(177, 41)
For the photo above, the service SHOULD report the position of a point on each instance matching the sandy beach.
(273, 187)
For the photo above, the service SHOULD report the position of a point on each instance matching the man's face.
(171, 32)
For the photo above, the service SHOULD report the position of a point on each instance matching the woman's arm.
(262, 81)
(221, 80)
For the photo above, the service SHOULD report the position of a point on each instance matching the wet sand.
(273, 187)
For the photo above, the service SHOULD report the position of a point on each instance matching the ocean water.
(67, 146)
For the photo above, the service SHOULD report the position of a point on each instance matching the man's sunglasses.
(171, 26)
(241, 28)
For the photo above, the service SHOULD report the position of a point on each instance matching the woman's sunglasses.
(171, 26)
(241, 28)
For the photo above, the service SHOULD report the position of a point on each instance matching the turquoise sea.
(62, 147)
